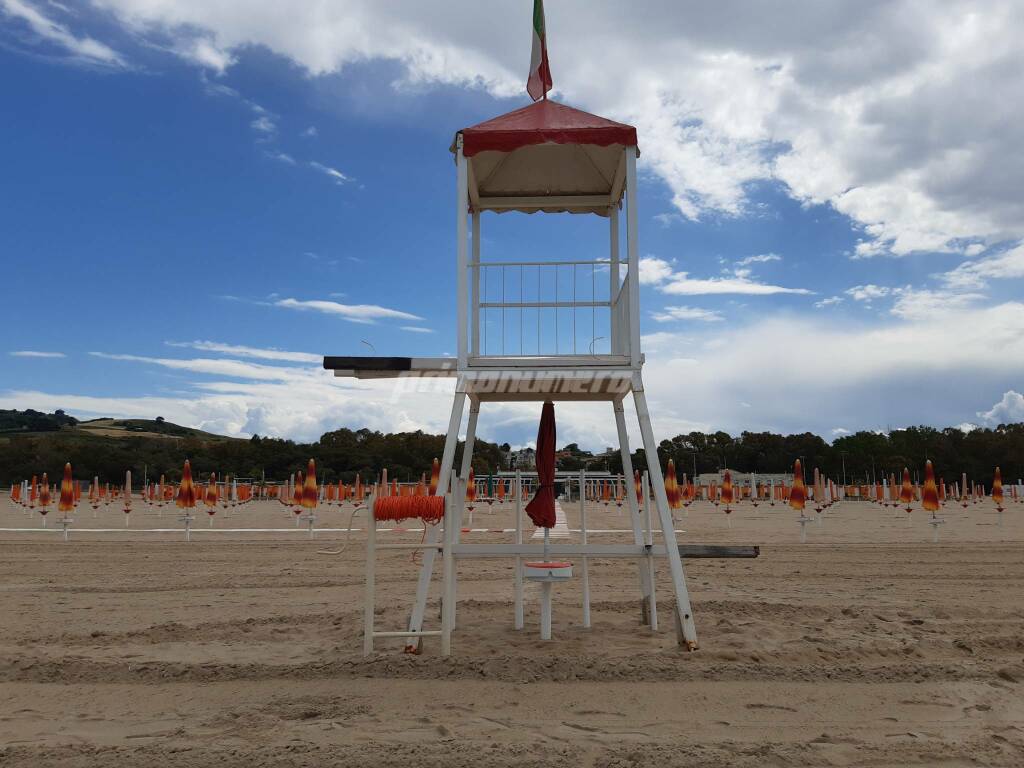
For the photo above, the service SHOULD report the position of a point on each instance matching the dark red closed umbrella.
(541, 508)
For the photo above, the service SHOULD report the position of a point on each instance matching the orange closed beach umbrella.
(471, 489)
(929, 492)
(798, 493)
(211, 495)
(672, 485)
(727, 493)
(187, 490)
(907, 490)
(44, 496)
(435, 476)
(66, 503)
(997, 489)
(310, 493)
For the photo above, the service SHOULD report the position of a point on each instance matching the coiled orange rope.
(429, 509)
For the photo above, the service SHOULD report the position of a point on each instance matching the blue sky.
(173, 175)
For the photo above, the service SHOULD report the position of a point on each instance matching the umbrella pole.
(583, 540)
(518, 620)
(545, 593)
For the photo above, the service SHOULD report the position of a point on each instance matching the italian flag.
(539, 82)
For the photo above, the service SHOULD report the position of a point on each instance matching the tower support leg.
(685, 625)
(414, 645)
(634, 508)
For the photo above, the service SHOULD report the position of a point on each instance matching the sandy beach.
(867, 645)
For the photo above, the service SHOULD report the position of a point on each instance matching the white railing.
(545, 309)
(620, 320)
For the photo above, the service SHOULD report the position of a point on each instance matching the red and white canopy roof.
(546, 157)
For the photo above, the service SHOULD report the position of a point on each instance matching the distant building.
(743, 479)
(524, 458)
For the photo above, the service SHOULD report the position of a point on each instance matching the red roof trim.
(544, 122)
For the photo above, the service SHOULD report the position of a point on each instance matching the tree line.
(340, 454)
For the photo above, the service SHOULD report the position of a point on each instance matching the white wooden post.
(461, 212)
(448, 569)
(633, 256)
(518, 621)
(613, 276)
(586, 564)
(684, 613)
(634, 507)
(475, 322)
(371, 565)
(652, 602)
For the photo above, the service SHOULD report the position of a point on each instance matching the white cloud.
(264, 125)
(416, 329)
(687, 313)
(334, 173)
(922, 304)
(1009, 410)
(763, 258)
(310, 132)
(658, 272)
(682, 284)
(840, 431)
(204, 52)
(283, 157)
(869, 292)
(34, 353)
(829, 302)
(211, 366)
(904, 120)
(357, 313)
(978, 274)
(83, 48)
(254, 352)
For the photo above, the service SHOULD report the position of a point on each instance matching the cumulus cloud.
(1010, 409)
(901, 119)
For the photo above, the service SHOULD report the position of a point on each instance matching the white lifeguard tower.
(544, 329)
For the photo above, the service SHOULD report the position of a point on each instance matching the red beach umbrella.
(541, 508)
